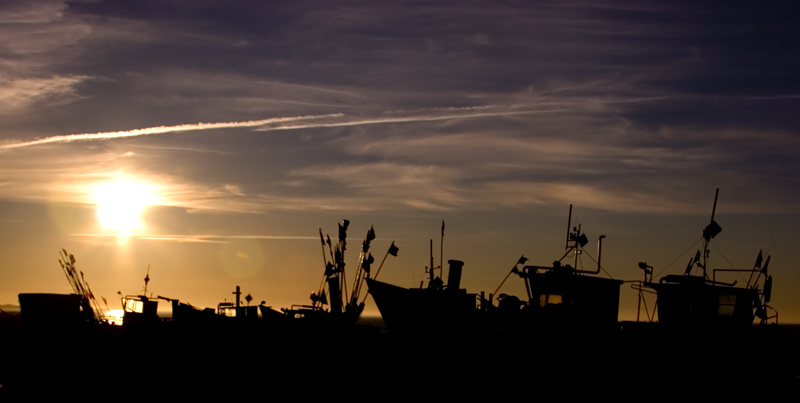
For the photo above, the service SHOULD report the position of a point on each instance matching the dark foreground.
(636, 363)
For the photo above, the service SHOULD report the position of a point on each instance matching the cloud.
(470, 107)
(25, 12)
(219, 239)
(19, 94)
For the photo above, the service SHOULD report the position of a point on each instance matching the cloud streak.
(197, 238)
(157, 130)
(290, 123)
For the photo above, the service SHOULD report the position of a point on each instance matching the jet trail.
(159, 130)
(293, 123)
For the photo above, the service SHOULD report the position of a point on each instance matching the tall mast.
(710, 231)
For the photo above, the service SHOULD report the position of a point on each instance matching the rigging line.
(601, 267)
(726, 259)
(771, 245)
(679, 256)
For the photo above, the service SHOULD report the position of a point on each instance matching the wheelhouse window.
(547, 299)
(727, 304)
(132, 305)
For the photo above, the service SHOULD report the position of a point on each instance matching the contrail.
(160, 129)
(292, 123)
(401, 119)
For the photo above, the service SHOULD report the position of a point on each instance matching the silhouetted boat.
(562, 294)
(702, 300)
(55, 309)
(436, 308)
(331, 306)
(80, 307)
(141, 311)
(558, 295)
(344, 310)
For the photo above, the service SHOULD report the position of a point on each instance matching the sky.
(211, 141)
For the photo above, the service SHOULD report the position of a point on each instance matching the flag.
(370, 234)
(766, 264)
(321, 238)
(367, 263)
(442, 227)
(759, 259)
(767, 289)
(522, 260)
(393, 250)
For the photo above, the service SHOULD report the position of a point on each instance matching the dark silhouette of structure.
(700, 300)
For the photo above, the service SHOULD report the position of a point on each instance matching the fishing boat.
(236, 309)
(141, 311)
(435, 308)
(333, 305)
(699, 299)
(563, 294)
(47, 309)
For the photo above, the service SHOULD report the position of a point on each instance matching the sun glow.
(120, 205)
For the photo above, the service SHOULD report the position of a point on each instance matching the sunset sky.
(211, 140)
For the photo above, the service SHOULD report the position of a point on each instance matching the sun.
(120, 205)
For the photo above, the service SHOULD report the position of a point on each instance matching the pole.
(375, 277)
(441, 253)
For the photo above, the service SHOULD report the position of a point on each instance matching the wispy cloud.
(22, 12)
(194, 238)
(19, 94)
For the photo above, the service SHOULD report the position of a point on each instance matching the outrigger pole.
(325, 274)
(391, 251)
(521, 260)
(391, 248)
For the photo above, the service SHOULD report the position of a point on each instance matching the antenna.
(714, 209)
(146, 279)
(709, 232)
(569, 222)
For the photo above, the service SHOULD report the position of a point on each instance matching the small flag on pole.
(367, 263)
(393, 250)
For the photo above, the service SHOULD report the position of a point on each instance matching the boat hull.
(410, 310)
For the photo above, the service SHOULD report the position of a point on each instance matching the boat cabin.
(692, 300)
(561, 295)
(139, 310)
(55, 309)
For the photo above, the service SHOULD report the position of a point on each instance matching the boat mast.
(432, 270)
(709, 232)
(441, 253)
(569, 223)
